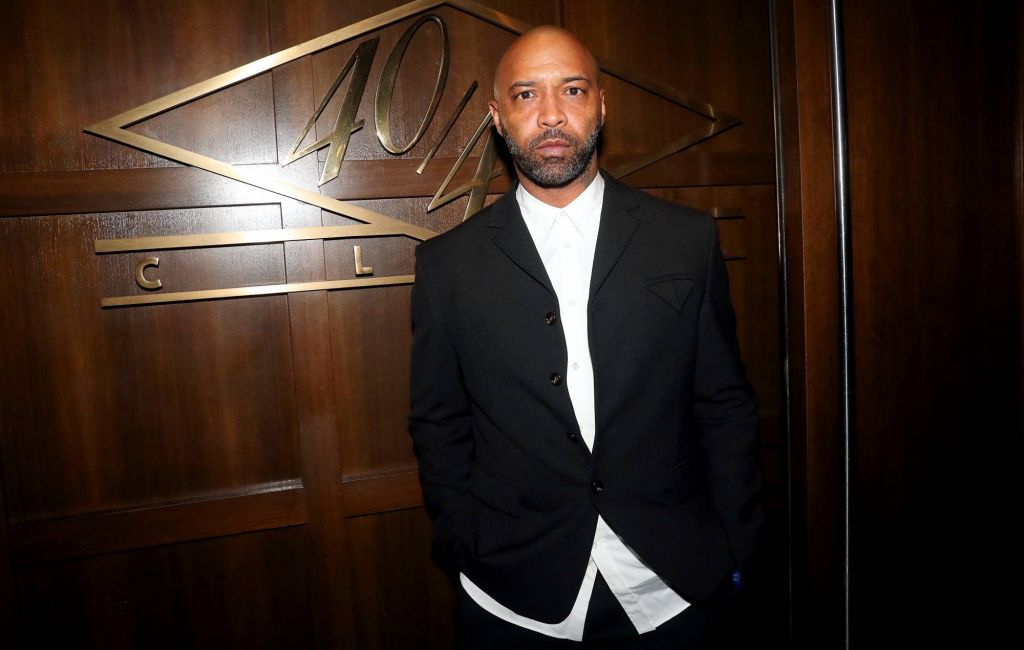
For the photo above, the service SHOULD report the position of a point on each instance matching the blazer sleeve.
(440, 423)
(725, 410)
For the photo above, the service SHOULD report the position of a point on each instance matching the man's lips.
(551, 147)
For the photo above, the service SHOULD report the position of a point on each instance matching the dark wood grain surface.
(812, 338)
(935, 174)
(237, 473)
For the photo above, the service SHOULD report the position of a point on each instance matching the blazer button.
(550, 318)
(555, 379)
(572, 435)
(597, 487)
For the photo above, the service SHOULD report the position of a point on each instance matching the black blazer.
(512, 490)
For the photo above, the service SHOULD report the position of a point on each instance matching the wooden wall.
(237, 473)
(926, 554)
(935, 115)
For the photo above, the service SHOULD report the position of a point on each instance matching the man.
(584, 429)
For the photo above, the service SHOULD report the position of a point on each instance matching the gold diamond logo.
(373, 223)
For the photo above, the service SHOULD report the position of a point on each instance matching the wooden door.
(935, 172)
(905, 460)
(233, 469)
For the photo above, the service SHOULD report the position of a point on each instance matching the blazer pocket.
(673, 289)
(495, 492)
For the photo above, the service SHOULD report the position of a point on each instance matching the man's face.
(549, 108)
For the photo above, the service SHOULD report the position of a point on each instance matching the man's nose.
(551, 113)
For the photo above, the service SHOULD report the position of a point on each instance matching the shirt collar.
(584, 212)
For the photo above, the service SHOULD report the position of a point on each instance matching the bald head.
(547, 44)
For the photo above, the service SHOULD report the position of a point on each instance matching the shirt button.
(572, 303)
(550, 318)
(555, 379)
(572, 435)
(566, 245)
(575, 365)
(597, 487)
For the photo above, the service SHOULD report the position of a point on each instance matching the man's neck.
(559, 197)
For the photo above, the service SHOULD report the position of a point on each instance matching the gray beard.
(553, 172)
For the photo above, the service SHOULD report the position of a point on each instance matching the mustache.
(554, 134)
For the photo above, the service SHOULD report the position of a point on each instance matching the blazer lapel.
(617, 226)
(513, 238)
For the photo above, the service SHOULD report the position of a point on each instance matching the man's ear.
(602, 106)
(492, 106)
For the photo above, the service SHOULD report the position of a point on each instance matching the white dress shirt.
(566, 238)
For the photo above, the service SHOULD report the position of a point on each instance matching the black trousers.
(701, 625)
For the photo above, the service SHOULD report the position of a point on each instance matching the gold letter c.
(140, 273)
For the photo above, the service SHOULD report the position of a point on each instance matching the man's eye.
(526, 94)
(574, 91)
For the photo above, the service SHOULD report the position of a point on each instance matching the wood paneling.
(51, 193)
(934, 120)
(265, 507)
(68, 65)
(71, 192)
(242, 591)
(113, 408)
(717, 52)
(370, 395)
(332, 614)
(403, 598)
(369, 495)
(238, 472)
(188, 269)
(812, 339)
(933, 94)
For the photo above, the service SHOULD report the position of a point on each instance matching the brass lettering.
(359, 63)
(140, 273)
(448, 127)
(476, 187)
(374, 224)
(360, 269)
(389, 75)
